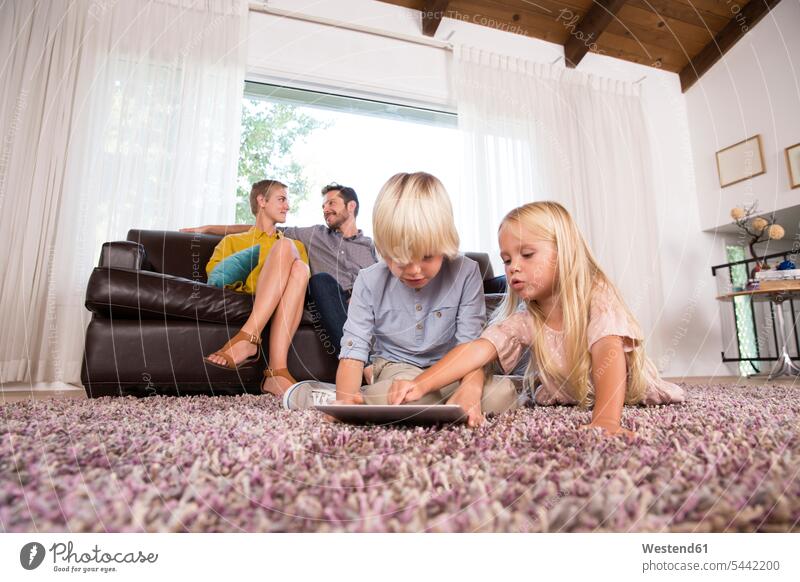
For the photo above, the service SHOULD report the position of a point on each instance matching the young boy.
(409, 310)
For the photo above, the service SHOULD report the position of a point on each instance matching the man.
(337, 251)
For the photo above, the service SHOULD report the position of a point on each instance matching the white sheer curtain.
(538, 132)
(116, 115)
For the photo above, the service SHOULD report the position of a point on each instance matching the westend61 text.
(670, 549)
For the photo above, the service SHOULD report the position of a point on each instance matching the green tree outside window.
(269, 132)
(745, 334)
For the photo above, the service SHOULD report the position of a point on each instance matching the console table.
(784, 365)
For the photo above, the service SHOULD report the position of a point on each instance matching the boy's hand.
(368, 374)
(404, 391)
(610, 429)
(197, 229)
(349, 399)
(468, 397)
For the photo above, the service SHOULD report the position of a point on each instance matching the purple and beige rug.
(727, 460)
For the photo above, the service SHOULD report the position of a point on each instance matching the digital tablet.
(411, 414)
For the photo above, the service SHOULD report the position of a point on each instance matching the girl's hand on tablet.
(468, 397)
(402, 391)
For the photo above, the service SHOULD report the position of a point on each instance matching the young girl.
(584, 341)
(409, 310)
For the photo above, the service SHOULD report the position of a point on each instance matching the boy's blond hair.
(413, 218)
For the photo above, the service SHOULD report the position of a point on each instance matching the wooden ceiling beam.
(718, 7)
(432, 14)
(688, 14)
(630, 25)
(738, 26)
(585, 33)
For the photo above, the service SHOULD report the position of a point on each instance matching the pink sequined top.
(607, 317)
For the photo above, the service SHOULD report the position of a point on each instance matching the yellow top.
(233, 243)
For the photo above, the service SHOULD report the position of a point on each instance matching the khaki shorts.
(500, 393)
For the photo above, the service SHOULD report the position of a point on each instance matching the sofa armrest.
(484, 264)
(143, 294)
(122, 255)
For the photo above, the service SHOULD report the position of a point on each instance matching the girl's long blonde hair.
(577, 276)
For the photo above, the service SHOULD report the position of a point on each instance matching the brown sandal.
(282, 372)
(241, 336)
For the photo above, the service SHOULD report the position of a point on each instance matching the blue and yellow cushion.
(235, 268)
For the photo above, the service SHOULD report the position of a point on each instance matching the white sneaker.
(308, 394)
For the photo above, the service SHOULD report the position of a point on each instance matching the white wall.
(687, 339)
(753, 89)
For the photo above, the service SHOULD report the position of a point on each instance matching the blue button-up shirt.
(390, 320)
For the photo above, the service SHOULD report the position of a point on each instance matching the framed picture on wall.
(793, 163)
(741, 161)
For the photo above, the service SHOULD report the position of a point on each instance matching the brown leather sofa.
(154, 318)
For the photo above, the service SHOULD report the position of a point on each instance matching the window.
(308, 139)
(743, 315)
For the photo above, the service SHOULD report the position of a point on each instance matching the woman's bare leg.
(269, 289)
(284, 325)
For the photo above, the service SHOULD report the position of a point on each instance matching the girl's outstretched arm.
(609, 377)
(468, 396)
(458, 362)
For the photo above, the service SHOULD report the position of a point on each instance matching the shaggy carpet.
(726, 460)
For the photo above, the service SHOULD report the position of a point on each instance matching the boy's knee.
(500, 394)
(377, 393)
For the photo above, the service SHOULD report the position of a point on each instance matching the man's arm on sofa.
(219, 229)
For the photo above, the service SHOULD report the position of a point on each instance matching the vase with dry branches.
(757, 229)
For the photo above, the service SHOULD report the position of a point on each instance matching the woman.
(278, 282)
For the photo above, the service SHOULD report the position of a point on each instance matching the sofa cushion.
(235, 268)
(127, 293)
(182, 254)
(132, 294)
